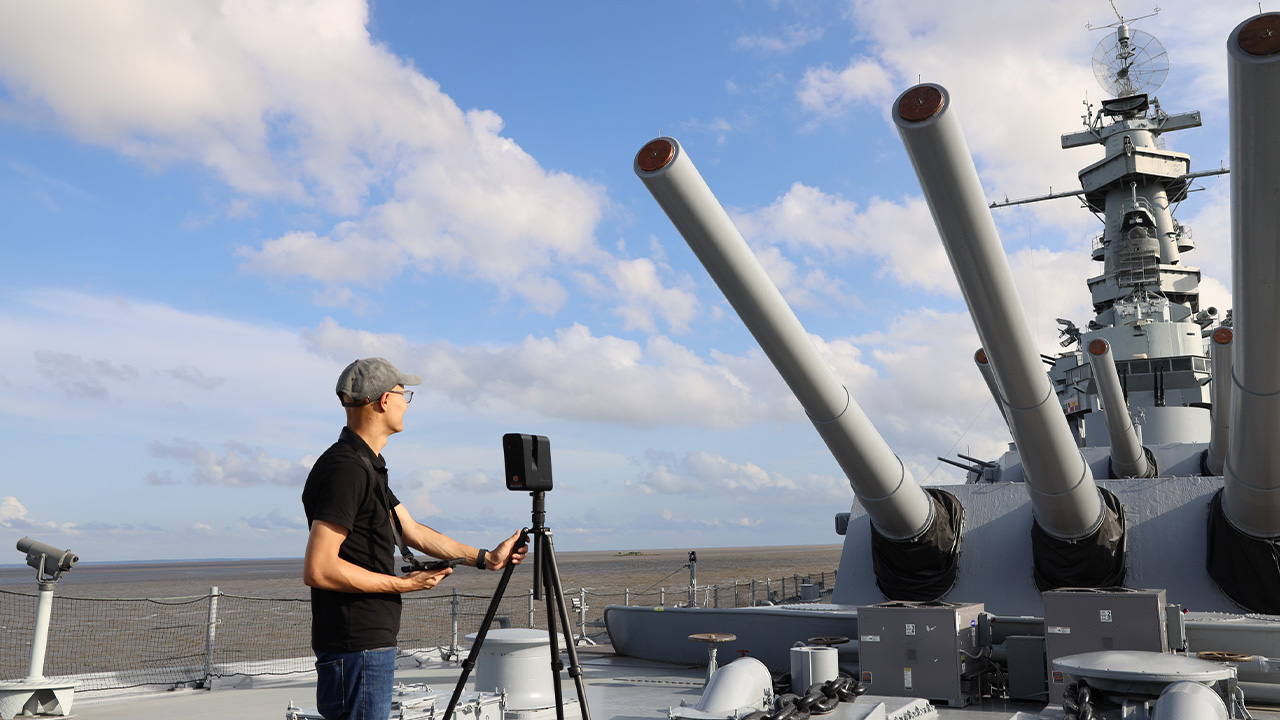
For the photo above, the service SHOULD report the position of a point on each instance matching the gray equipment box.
(1081, 620)
(920, 649)
(1027, 680)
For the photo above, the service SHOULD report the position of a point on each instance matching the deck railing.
(111, 644)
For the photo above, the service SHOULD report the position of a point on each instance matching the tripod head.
(539, 513)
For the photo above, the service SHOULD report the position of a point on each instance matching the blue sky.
(210, 208)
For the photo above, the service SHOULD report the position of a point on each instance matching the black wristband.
(480, 559)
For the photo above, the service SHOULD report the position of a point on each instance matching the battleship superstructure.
(1145, 461)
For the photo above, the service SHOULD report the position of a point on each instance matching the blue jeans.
(355, 685)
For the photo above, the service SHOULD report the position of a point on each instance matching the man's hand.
(424, 579)
(508, 552)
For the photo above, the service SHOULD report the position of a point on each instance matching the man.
(350, 558)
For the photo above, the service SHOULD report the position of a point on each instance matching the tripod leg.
(470, 662)
(551, 575)
(543, 546)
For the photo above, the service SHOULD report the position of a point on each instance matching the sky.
(210, 208)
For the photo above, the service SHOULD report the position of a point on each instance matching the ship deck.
(618, 688)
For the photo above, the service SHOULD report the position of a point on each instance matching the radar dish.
(1130, 62)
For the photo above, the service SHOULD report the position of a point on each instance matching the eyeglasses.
(408, 395)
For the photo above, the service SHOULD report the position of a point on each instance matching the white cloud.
(1038, 275)
(810, 287)
(717, 127)
(14, 516)
(790, 38)
(11, 509)
(701, 473)
(162, 372)
(1014, 92)
(296, 102)
(827, 92)
(273, 522)
(643, 295)
(87, 378)
(238, 465)
(151, 369)
(925, 395)
(819, 227)
(351, 257)
(576, 375)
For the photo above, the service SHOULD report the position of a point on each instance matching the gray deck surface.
(617, 687)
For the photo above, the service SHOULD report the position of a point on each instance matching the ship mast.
(1146, 302)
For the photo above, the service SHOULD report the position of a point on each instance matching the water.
(262, 613)
(282, 578)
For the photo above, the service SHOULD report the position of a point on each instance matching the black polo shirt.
(340, 490)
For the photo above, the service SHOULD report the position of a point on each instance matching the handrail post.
(210, 635)
(454, 650)
(582, 615)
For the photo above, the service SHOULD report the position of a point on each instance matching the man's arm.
(442, 546)
(322, 568)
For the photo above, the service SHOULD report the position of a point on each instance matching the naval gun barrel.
(989, 377)
(1251, 475)
(1065, 498)
(898, 507)
(1220, 352)
(1244, 516)
(1128, 458)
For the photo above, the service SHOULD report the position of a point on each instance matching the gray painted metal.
(1165, 535)
(1128, 667)
(988, 376)
(1066, 500)
(1251, 498)
(1026, 663)
(1220, 352)
(926, 649)
(1082, 621)
(1127, 457)
(768, 633)
(899, 508)
(1189, 701)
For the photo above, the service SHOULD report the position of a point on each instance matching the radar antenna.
(1130, 62)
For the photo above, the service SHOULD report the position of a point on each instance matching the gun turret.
(1128, 458)
(900, 510)
(1070, 511)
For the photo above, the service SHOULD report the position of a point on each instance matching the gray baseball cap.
(365, 380)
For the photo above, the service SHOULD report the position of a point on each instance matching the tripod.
(546, 580)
